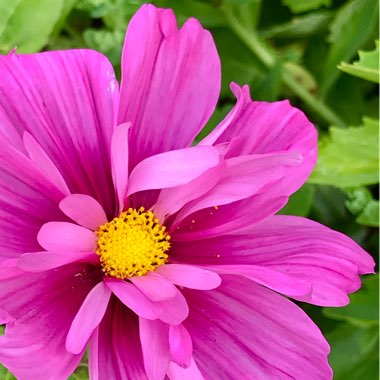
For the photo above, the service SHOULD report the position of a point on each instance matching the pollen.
(132, 244)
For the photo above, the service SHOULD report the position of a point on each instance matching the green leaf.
(361, 203)
(300, 202)
(297, 6)
(367, 67)
(354, 352)
(363, 309)
(349, 157)
(30, 25)
(299, 26)
(7, 8)
(354, 24)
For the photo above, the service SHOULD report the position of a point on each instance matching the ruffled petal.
(154, 337)
(244, 177)
(84, 210)
(28, 199)
(268, 336)
(170, 82)
(262, 128)
(115, 349)
(88, 318)
(43, 306)
(66, 100)
(190, 276)
(62, 236)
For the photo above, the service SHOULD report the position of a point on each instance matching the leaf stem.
(257, 47)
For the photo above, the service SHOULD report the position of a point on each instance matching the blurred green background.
(320, 54)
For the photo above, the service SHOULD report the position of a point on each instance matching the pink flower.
(165, 259)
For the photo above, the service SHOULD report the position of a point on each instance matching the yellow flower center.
(132, 244)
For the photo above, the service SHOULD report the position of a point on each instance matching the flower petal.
(262, 128)
(28, 199)
(88, 318)
(115, 349)
(63, 236)
(44, 163)
(84, 210)
(170, 82)
(173, 311)
(42, 261)
(155, 348)
(133, 298)
(154, 286)
(181, 346)
(43, 306)
(190, 276)
(178, 373)
(244, 177)
(172, 169)
(226, 219)
(268, 336)
(292, 246)
(67, 100)
(119, 160)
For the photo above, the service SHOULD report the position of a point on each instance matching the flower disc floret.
(132, 244)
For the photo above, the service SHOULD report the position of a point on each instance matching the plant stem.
(251, 40)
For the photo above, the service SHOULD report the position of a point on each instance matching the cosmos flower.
(161, 256)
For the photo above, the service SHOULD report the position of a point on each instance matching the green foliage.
(361, 203)
(29, 24)
(349, 157)
(282, 49)
(354, 24)
(297, 6)
(367, 67)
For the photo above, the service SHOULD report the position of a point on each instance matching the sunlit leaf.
(297, 6)
(349, 157)
(367, 67)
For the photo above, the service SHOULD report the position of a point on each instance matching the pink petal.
(155, 287)
(44, 163)
(172, 169)
(181, 347)
(172, 200)
(288, 246)
(155, 348)
(178, 373)
(173, 311)
(115, 349)
(170, 82)
(66, 100)
(190, 276)
(42, 261)
(226, 219)
(133, 298)
(119, 160)
(84, 210)
(272, 279)
(43, 306)
(62, 236)
(244, 177)
(268, 336)
(28, 199)
(88, 318)
(262, 128)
